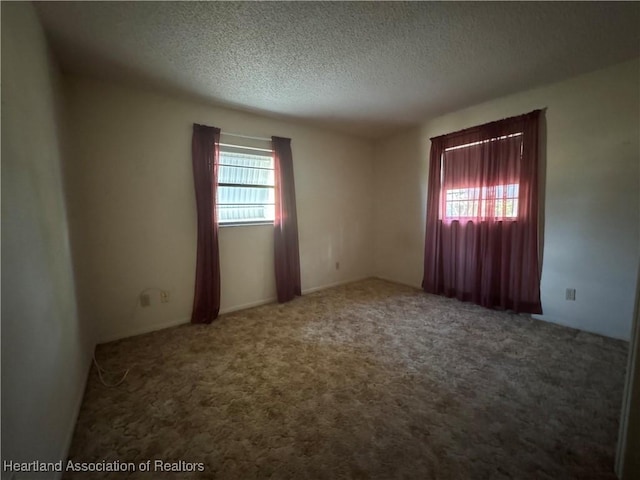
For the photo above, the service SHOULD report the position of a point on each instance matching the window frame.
(480, 202)
(246, 150)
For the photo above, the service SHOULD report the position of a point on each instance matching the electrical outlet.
(337, 265)
(164, 296)
(570, 294)
(145, 300)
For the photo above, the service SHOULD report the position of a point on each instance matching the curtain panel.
(481, 242)
(287, 255)
(204, 155)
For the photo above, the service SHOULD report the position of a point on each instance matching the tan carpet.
(367, 380)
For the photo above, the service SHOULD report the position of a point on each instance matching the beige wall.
(592, 185)
(132, 207)
(46, 352)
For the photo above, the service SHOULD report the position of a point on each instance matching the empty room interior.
(323, 240)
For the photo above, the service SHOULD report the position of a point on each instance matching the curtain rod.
(245, 136)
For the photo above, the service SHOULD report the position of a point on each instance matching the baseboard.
(74, 418)
(380, 277)
(246, 306)
(306, 291)
(145, 329)
(181, 321)
(331, 285)
(566, 324)
(541, 318)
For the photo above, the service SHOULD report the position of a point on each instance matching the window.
(500, 201)
(482, 241)
(245, 186)
(473, 192)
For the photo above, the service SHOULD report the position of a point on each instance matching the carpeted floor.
(368, 380)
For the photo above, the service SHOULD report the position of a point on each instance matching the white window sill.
(245, 224)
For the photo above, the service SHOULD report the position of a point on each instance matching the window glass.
(245, 188)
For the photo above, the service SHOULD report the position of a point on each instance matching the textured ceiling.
(360, 67)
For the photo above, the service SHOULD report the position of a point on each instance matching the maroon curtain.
(481, 241)
(287, 255)
(204, 154)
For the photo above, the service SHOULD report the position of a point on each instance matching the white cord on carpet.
(126, 372)
(102, 370)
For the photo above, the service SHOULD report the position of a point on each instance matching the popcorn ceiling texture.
(363, 67)
(369, 380)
